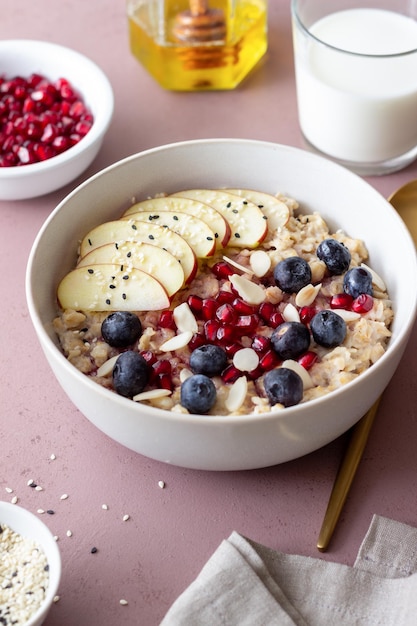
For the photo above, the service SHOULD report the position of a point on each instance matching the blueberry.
(328, 328)
(283, 386)
(198, 394)
(335, 255)
(357, 281)
(208, 359)
(290, 340)
(292, 274)
(130, 374)
(121, 329)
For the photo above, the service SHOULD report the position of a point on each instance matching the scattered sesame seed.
(93, 550)
(64, 496)
(50, 512)
(40, 511)
(9, 490)
(123, 602)
(38, 488)
(161, 484)
(105, 507)
(126, 517)
(30, 482)
(52, 457)
(56, 537)
(69, 533)
(14, 500)
(56, 598)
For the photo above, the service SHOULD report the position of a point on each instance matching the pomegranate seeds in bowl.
(39, 119)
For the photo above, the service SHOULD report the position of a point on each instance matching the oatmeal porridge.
(222, 302)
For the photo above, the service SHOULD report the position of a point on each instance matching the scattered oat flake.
(64, 496)
(126, 517)
(123, 602)
(9, 490)
(161, 484)
(69, 533)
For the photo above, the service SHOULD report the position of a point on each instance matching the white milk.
(353, 107)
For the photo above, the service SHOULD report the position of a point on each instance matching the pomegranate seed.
(341, 301)
(226, 314)
(49, 133)
(307, 313)
(230, 374)
(242, 307)
(209, 308)
(83, 127)
(163, 366)
(25, 155)
(266, 310)
(225, 297)
(149, 356)
(77, 109)
(195, 303)
(232, 348)
(247, 323)
(269, 361)
(276, 319)
(255, 374)
(44, 152)
(166, 320)
(261, 343)
(196, 341)
(308, 359)
(222, 270)
(61, 143)
(210, 330)
(225, 333)
(363, 303)
(165, 382)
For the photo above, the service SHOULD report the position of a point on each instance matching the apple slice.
(155, 261)
(196, 233)
(121, 231)
(248, 224)
(204, 212)
(111, 287)
(275, 210)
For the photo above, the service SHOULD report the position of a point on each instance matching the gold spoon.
(404, 200)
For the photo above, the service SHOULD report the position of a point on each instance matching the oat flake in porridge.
(223, 286)
(24, 577)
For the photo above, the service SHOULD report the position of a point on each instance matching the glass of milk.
(356, 77)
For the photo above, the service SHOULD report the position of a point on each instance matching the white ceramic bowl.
(24, 57)
(226, 443)
(28, 525)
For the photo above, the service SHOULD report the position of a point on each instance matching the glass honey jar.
(191, 45)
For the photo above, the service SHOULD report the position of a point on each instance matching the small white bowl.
(226, 442)
(24, 57)
(28, 525)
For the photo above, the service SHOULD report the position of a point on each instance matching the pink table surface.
(151, 558)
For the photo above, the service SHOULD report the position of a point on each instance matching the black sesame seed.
(235, 211)
(112, 286)
(264, 217)
(90, 271)
(46, 568)
(89, 242)
(124, 296)
(108, 301)
(50, 512)
(93, 550)
(126, 277)
(237, 235)
(245, 202)
(228, 205)
(151, 237)
(209, 238)
(134, 227)
(129, 254)
(176, 218)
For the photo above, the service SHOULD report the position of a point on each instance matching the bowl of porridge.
(30, 567)
(223, 304)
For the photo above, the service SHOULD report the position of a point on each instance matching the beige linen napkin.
(247, 584)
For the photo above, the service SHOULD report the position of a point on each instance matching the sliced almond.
(237, 394)
(260, 262)
(246, 360)
(376, 278)
(301, 371)
(290, 313)
(307, 295)
(152, 394)
(251, 292)
(184, 318)
(184, 374)
(238, 266)
(177, 342)
(107, 368)
(348, 316)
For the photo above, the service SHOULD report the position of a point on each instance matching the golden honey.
(182, 64)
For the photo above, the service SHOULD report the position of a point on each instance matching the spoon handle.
(345, 475)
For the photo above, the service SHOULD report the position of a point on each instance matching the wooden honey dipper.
(200, 24)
